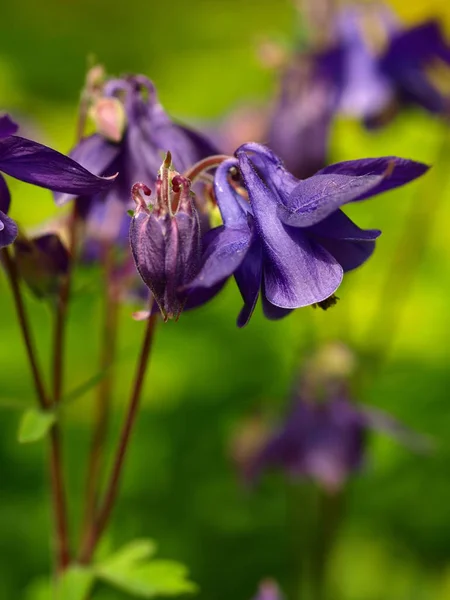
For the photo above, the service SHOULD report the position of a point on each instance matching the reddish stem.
(93, 536)
(109, 339)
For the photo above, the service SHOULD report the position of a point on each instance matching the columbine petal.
(5, 196)
(95, 154)
(226, 249)
(339, 226)
(272, 312)
(315, 198)
(349, 254)
(297, 271)
(232, 206)
(270, 168)
(7, 126)
(248, 277)
(40, 165)
(8, 230)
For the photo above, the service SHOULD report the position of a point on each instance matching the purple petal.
(317, 197)
(297, 271)
(5, 196)
(339, 226)
(349, 254)
(226, 250)
(380, 421)
(95, 154)
(8, 230)
(40, 165)
(148, 246)
(7, 126)
(269, 168)
(272, 312)
(248, 277)
(199, 296)
(232, 206)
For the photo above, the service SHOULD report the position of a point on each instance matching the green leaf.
(34, 425)
(75, 584)
(133, 571)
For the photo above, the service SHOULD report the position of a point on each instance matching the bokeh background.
(180, 486)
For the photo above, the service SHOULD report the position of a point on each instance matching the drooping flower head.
(37, 164)
(323, 437)
(133, 133)
(287, 239)
(165, 239)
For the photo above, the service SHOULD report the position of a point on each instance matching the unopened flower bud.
(165, 239)
(42, 262)
(109, 118)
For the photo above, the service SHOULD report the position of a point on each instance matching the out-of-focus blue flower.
(384, 65)
(291, 242)
(299, 126)
(37, 164)
(133, 135)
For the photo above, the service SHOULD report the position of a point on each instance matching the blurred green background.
(180, 486)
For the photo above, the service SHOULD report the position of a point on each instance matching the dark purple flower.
(291, 241)
(326, 440)
(42, 261)
(165, 239)
(37, 164)
(300, 124)
(134, 133)
(384, 65)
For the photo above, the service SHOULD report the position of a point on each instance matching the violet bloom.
(133, 135)
(291, 242)
(165, 239)
(300, 124)
(326, 441)
(385, 66)
(37, 164)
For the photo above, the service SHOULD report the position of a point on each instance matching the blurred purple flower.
(300, 124)
(37, 164)
(326, 441)
(165, 242)
(42, 261)
(134, 133)
(385, 66)
(291, 242)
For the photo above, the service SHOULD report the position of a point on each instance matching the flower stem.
(57, 487)
(61, 312)
(204, 165)
(13, 279)
(93, 536)
(108, 350)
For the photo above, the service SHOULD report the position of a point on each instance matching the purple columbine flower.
(290, 241)
(133, 135)
(299, 127)
(165, 239)
(40, 165)
(325, 441)
(384, 65)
